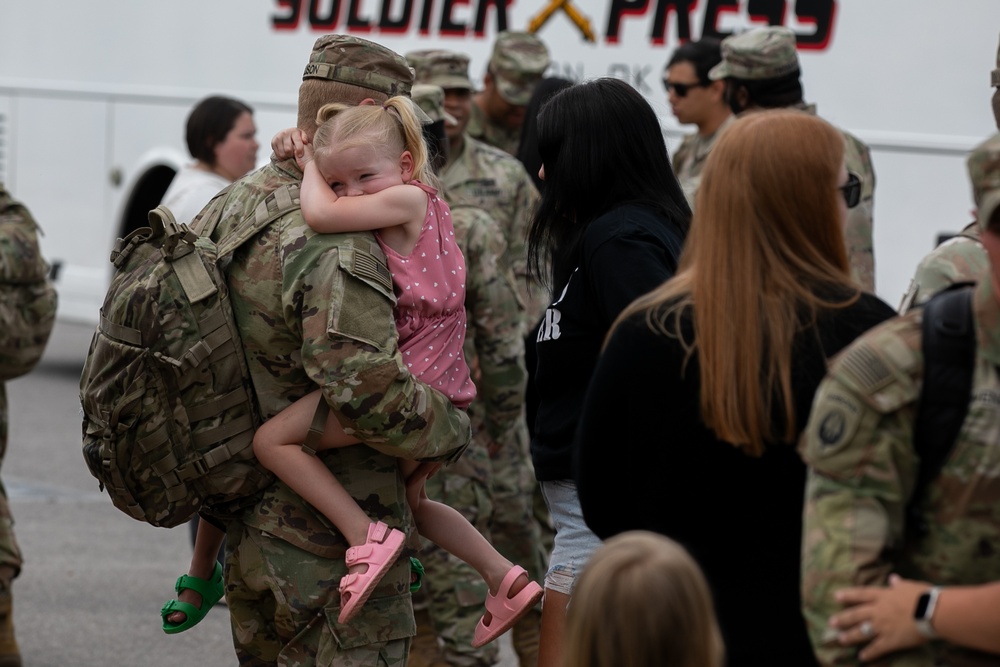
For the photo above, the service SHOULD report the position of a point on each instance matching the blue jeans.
(574, 542)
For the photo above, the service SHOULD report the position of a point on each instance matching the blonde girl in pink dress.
(369, 172)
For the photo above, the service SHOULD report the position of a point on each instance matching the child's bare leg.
(206, 550)
(447, 528)
(277, 445)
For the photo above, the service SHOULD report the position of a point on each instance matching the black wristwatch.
(924, 613)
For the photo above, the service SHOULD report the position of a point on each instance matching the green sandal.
(211, 592)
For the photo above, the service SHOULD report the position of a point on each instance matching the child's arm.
(325, 212)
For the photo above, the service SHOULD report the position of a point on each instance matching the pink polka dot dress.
(430, 304)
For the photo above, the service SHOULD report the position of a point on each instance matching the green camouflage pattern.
(168, 420)
(358, 62)
(306, 585)
(983, 164)
(858, 231)
(494, 346)
(518, 62)
(860, 219)
(863, 470)
(762, 53)
(27, 297)
(961, 258)
(10, 553)
(430, 99)
(437, 67)
(316, 310)
(689, 159)
(483, 176)
(483, 128)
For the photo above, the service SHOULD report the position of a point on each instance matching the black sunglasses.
(682, 88)
(851, 190)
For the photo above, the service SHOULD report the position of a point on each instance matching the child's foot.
(516, 596)
(195, 596)
(366, 565)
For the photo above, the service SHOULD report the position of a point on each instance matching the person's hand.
(882, 617)
(424, 471)
(292, 142)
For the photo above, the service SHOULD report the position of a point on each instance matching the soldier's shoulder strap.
(949, 349)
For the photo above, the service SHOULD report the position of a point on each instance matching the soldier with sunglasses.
(696, 99)
(761, 71)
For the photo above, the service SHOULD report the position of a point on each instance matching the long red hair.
(767, 231)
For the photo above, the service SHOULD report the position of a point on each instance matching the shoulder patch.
(882, 367)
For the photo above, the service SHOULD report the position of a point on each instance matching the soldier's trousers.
(455, 592)
(283, 606)
(10, 553)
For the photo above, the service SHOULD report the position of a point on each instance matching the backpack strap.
(283, 200)
(949, 349)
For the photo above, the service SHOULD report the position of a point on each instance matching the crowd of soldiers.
(863, 469)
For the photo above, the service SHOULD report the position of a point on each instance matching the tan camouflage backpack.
(168, 406)
(27, 297)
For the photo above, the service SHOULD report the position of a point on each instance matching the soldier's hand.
(882, 617)
(292, 142)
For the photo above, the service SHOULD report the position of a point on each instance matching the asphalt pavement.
(93, 579)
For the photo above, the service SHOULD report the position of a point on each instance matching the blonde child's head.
(642, 600)
(391, 128)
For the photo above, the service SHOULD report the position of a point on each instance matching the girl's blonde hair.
(642, 600)
(765, 253)
(392, 126)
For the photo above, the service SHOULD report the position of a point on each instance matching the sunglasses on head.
(682, 88)
(851, 190)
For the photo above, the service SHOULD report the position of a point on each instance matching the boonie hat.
(984, 172)
(762, 53)
(358, 62)
(431, 100)
(518, 62)
(437, 67)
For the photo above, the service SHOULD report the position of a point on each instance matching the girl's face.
(363, 170)
(236, 155)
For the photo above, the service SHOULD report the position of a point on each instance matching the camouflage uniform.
(17, 250)
(959, 259)
(316, 309)
(767, 53)
(863, 469)
(488, 179)
(495, 350)
(517, 64)
(689, 159)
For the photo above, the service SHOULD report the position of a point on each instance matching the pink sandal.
(379, 552)
(506, 610)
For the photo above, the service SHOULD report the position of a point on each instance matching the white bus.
(93, 95)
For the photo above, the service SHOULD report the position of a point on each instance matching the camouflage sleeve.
(960, 259)
(339, 288)
(495, 331)
(531, 293)
(857, 445)
(860, 221)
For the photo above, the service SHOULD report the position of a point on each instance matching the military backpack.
(169, 411)
(27, 297)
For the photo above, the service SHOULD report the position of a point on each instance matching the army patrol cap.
(518, 62)
(763, 53)
(438, 67)
(984, 172)
(431, 100)
(358, 62)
